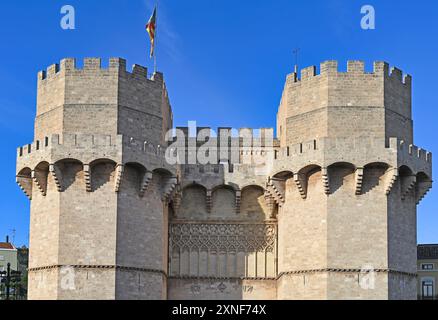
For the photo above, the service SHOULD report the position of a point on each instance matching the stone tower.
(99, 196)
(349, 186)
(325, 211)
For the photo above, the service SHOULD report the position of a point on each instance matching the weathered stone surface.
(328, 211)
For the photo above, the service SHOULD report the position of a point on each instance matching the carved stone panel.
(222, 250)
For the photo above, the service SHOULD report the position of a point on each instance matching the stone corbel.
(325, 180)
(238, 200)
(390, 177)
(208, 200)
(176, 201)
(87, 177)
(119, 175)
(276, 188)
(145, 183)
(40, 181)
(408, 184)
(422, 189)
(270, 202)
(169, 187)
(301, 183)
(25, 184)
(57, 176)
(358, 179)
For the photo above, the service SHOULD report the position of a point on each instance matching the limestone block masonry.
(333, 215)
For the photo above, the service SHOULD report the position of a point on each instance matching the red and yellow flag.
(151, 29)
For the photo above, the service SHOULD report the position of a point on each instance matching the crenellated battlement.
(321, 151)
(37, 160)
(87, 148)
(411, 150)
(69, 66)
(330, 68)
(144, 146)
(67, 141)
(247, 134)
(415, 158)
(73, 98)
(327, 151)
(297, 149)
(331, 102)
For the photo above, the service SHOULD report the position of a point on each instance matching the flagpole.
(156, 37)
(155, 61)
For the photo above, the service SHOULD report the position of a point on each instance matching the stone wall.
(345, 104)
(328, 211)
(74, 100)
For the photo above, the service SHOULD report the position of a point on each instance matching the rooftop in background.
(7, 246)
(427, 251)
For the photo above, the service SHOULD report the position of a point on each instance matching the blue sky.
(224, 61)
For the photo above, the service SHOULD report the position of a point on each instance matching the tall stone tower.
(98, 182)
(325, 211)
(349, 186)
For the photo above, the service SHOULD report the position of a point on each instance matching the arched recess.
(133, 180)
(40, 176)
(223, 201)
(405, 171)
(233, 187)
(162, 172)
(341, 174)
(253, 203)
(283, 175)
(102, 172)
(69, 172)
(24, 181)
(424, 184)
(309, 169)
(375, 177)
(194, 202)
(165, 182)
(276, 187)
(309, 176)
(407, 182)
